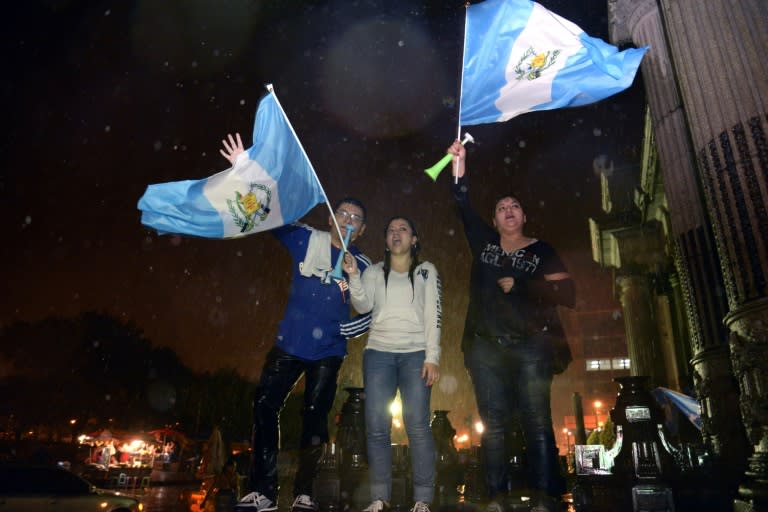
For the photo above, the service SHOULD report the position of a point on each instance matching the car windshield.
(41, 480)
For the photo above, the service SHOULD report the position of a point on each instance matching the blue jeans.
(512, 382)
(383, 374)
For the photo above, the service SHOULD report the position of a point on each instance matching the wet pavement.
(175, 498)
(167, 498)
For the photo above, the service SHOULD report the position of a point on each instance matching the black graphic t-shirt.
(492, 312)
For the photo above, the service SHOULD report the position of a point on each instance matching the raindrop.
(194, 63)
(317, 333)
(507, 160)
(107, 12)
(28, 219)
(521, 144)
(218, 299)
(597, 132)
(239, 253)
(158, 145)
(448, 384)
(107, 129)
(242, 102)
(401, 43)
(451, 232)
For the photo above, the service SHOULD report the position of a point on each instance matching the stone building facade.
(692, 246)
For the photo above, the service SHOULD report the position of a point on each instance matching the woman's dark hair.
(353, 201)
(504, 196)
(414, 251)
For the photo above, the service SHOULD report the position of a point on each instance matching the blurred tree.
(104, 372)
(605, 436)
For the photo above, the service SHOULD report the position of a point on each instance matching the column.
(695, 252)
(642, 335)
(718, 50)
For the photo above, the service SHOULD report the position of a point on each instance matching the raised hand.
(232, 147)
(459, 152)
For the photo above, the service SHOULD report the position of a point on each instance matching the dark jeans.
(279, 376)
(512, 381)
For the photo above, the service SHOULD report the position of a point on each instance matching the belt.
(504, 340)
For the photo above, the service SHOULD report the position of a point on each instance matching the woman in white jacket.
(403, 352)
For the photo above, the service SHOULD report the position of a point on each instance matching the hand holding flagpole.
(436, 169)
(336, 273)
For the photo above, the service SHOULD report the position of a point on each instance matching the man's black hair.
(353, 201)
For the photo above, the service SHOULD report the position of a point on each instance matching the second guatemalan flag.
(520, 57)
(271, 184)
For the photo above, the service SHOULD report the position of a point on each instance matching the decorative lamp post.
(479, 428)
(567, 449)
(598, 405)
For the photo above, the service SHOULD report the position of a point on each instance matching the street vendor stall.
(177, 458)
(118, 459)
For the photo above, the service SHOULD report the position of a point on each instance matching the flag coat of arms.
(271, 184)
(520, 57)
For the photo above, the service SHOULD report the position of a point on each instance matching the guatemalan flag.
(271, 184)
(520, 57)
(687, 405)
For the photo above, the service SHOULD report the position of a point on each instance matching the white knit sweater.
(405, 318)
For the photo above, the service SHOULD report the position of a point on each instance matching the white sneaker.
(420, 506)
(494, 506)
(377, 506)
(304, 503)
(256, 502)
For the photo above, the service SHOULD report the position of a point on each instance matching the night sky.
(102, 98)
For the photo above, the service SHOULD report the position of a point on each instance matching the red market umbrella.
(163, 433)
(102, 435)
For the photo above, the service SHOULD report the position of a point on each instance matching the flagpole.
(271, 89)
(461, 92)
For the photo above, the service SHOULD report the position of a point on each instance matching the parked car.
(33, 488)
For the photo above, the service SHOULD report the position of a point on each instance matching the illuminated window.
(594, 365)
(621, 363)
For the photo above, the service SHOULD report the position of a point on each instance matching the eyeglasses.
(351, 217)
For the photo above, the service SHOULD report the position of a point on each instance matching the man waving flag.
(520, 57)
(271, 184)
